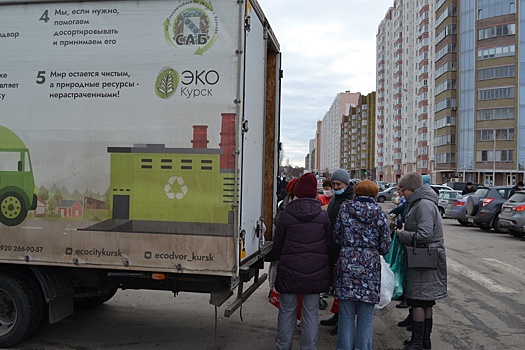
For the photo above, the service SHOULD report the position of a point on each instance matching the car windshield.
(517, 198)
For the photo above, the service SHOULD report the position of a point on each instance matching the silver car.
(386, 195)
(512, 214)
(444, 196)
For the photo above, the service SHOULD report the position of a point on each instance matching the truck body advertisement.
(118, 127)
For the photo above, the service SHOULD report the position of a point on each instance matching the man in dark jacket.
(342, 192)
(468, 189)
(301, 241)
(517, 187)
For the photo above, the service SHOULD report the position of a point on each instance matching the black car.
(484, 206)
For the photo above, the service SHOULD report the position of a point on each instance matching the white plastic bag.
(387, 285)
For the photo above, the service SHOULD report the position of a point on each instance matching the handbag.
(421, 257)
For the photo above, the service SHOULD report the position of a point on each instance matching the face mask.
(339, 192)
(328, 193)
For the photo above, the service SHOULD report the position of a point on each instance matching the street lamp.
(494, 158)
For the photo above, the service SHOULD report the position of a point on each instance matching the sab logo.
(194, 25)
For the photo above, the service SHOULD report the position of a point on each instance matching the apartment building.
(358, 139)
(330, 144)
(403, 92)
(449, 105)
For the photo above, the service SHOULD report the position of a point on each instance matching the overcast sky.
(327, 47)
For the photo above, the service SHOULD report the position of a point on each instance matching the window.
(496, 72)
(505, 155)
(496, 94)
(499, 51)
(447, 67)
(448, 120)
(495, 113)
(449, 84)
(497, 31)
(442, 158)
(501, 134)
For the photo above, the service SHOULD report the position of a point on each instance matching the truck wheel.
(90, 303)
(12, 209)
(18, 312)
(41, 314)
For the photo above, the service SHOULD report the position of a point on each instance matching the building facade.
(358, 139)
(330, 150)
(449, 82)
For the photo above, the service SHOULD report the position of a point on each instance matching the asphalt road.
(484, 310)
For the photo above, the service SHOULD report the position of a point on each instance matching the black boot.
(331, 321)
(416, 343)
(426, 333)
(407, 321)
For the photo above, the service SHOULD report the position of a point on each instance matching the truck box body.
(137, 136)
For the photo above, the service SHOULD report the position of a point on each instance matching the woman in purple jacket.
(301, 242)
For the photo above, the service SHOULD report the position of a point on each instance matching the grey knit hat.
(411, 181)
(341, 175)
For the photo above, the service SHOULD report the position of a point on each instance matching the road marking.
(70, 229)
(504, 266)
(479, 278)
(33, 228)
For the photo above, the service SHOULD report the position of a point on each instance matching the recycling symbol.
(175, 188)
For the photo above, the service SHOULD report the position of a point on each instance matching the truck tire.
(92, 302)
(12, 209)
(18, 310)
(41, 313)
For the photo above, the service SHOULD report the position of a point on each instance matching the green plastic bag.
(397, 260)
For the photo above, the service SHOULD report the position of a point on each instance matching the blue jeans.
(287, 320)
(347, 335)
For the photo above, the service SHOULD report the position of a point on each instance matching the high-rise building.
(330, 150)
(357, 138)
(449, 105)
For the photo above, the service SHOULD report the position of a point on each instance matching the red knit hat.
(306, 186)
(290, 185)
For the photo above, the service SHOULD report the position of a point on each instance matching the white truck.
(139, 147)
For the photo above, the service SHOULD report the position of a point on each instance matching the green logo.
(166, 83)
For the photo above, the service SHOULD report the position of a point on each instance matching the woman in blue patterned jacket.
(362, 230)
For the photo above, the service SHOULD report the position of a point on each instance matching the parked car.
(512, 215)
(484, 206)
(456, 209)
(386, 195)
(444, 196)
(441, 188)
(460, 186)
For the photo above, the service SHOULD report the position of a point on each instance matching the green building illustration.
(151, 185)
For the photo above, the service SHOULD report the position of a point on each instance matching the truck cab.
(17, 184)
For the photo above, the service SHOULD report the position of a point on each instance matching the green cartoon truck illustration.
(17, 184)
